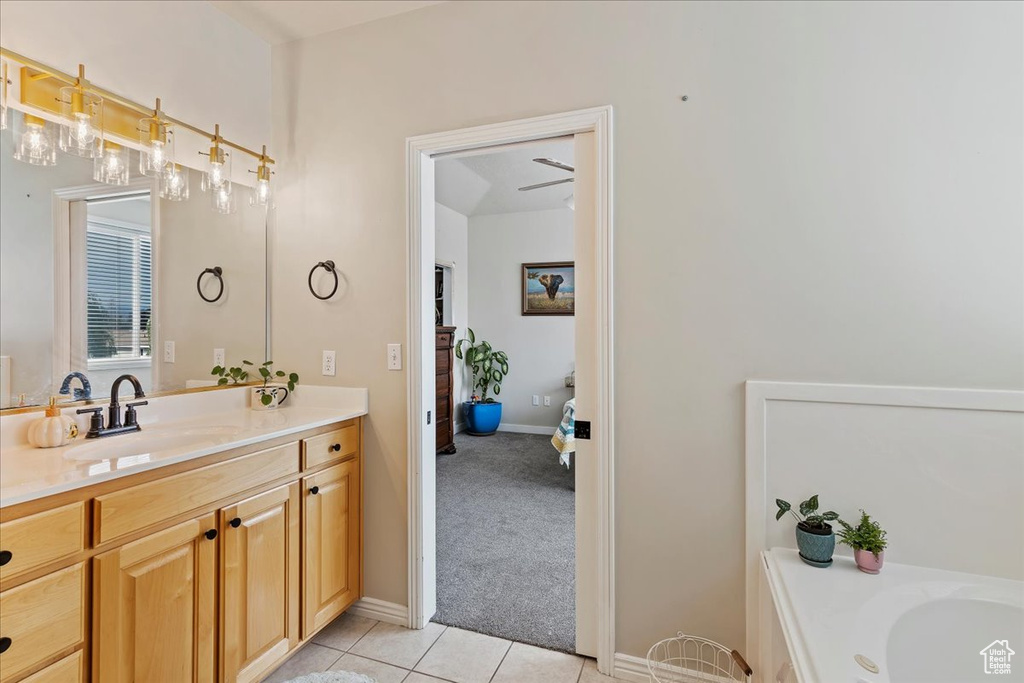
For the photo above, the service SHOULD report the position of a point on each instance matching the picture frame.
(549, 288)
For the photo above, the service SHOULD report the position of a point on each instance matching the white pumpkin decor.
(53, 430)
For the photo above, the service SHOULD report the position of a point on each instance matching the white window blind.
(120, 284)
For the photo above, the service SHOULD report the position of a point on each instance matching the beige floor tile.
(397, 645)
(529, 664)
(382, 673)
(590, 674)
(464, 656)
(310, 659)
(343, 632)
(420, 678)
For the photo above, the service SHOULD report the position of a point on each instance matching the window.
(119, 293)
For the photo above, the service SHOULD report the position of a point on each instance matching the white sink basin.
(144, 442)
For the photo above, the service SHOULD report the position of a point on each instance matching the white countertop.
(28, 473)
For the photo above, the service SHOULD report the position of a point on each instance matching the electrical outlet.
(218, 357)
(547, 400)
(168, 352)
(394, 356)
(536, 400)
(328, 366)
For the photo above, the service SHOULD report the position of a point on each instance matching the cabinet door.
(154, 603)
(331, 536)
(260, 595)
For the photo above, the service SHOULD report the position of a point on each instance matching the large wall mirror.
(104, 281)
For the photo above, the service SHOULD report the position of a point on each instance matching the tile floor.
(436, 654)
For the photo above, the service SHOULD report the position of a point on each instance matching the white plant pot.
(278, 395)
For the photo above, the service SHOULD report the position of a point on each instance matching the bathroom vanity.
(206, 547)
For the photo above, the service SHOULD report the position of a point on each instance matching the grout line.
(432, 644)
(375, 624)
(507, 650)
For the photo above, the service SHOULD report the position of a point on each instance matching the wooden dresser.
(445, 389)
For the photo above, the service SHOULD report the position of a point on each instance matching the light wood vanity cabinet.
(210, 570)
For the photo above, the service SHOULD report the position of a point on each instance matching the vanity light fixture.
(262, 193)
(174, 183)
(112, 166)
(157, 138)
(218, 170)
(33, 141)
(81, 126)
(3, 95)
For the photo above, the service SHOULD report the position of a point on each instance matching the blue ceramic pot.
(816, 545)
(482, 419)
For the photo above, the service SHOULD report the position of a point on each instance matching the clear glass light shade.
(218, 171)
(112, 166)
(262, 193)
(174, 183)
(3, 95)
(81, 127)
(157, 153)
(34, 141)
(222, 199)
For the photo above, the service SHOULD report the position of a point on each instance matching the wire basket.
(689, 659)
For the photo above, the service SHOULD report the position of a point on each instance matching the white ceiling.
(280, 21)
(489, 183)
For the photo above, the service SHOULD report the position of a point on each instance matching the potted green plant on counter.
(482, 413)
(814, 536)
(868, 542)
(267, 396)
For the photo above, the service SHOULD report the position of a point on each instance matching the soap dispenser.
(53, 430)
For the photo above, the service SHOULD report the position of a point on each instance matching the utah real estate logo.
(997, 657)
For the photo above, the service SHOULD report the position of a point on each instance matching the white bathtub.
(917, 625)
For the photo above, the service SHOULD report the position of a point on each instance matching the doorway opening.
(505, 503)
(593, 471)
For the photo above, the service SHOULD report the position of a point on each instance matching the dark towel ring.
(329, 267)
(217, 272)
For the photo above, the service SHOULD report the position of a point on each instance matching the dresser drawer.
(35, 540)
(41, 618)
(340, 443)
(443, 340)
(442, 361)
(71, 669)
(135, 508)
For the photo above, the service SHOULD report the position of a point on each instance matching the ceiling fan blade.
(557, 164)
(548, 184)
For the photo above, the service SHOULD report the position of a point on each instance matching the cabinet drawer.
(340, 443)
(71, 669)
(41, 618)
(123, 512)
(33, 541)
(443, 340)
(442, 361)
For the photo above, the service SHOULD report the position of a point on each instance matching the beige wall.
(840, 200)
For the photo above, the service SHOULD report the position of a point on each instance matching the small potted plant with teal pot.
(868, 542)
(814, 536)
(483, 413)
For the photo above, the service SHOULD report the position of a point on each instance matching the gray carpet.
(506, 540)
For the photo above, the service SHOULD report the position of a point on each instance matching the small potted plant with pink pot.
(868, 542)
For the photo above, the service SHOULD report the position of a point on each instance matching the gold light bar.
(41, 84)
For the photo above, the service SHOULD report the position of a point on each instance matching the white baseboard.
(381, 610)
(634, 669)
(525, 429)
(459, 427)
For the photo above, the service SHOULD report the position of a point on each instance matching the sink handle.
(95, 422)
(130, 418)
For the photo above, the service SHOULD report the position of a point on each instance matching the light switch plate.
(547, 400)
(329, 367)
(218, 357)
(168, 352)
(394, 356)
(536, 400)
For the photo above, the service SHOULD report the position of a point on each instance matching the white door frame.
(420, 151)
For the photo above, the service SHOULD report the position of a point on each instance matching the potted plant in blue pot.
(814, 536)
(483, 413)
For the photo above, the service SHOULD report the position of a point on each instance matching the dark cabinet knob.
(336, 447)
(314, 490)
(211, 534)
(5, 557)
(236, 522)
(5, 644)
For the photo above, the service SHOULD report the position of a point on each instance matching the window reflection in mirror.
(97, 279)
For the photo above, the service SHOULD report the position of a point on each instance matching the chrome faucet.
(85, 393)
(114, 426)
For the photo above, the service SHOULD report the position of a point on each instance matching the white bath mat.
(333, 677)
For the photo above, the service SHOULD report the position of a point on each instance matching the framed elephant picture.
(549, 288)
